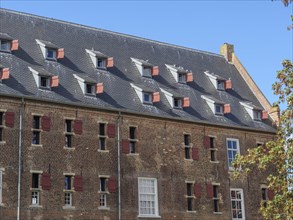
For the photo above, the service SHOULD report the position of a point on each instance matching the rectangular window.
(218, 109)
(36, 130)
(177, 103)
(68, 133)
(4, 45)
(220, 85)
(68, 190)
(237, 204)
(232, 150)
(181, 77)
(44, 82)
(264, 196)
(133, 140)
(1, 174)
(51, 54)
(102, 137)
(35, 189)
(89, 89)
(257, 115)
(189, 196)
(187, 147)
(101, 63)
(1, 126)
(103, 192)
(148, 197)
(147, 98)
(216, 198)
(146, 71)
(212, 149)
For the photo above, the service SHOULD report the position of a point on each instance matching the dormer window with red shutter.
(7, 43)
(4, 73)
(43, 78)
(218, 107)
(180, 74)
(255, 112)
(100, 60)
(219, 82)
(89, 86)
(176, 100)
(50, 51)
(145, 68)
(145, 94)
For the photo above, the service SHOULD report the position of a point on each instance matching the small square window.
(218, 109)
(177, 103)
(181, 77)
(257, 115)
(89, 89)
(101, 63)
(44, 82)
(220, 85)
(51, 54)
(147, 98)
(146, 71)
(4, 45)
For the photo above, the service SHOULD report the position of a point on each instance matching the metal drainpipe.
(119, 167)
(19, 157)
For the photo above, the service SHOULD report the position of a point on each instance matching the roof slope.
(118, 94)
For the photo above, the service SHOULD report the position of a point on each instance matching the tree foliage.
(276, 154)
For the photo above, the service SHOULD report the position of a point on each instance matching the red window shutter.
(46, 123)
(125, 146)
(99, 88)
(189, 77)
(195, 153)
(206, 142)
(210, 191)
(264, 115)
(4, 73)
(227, 108)
(78, 183)
(228, 84)
(54, 81)
(110, 62)
(14, 45)
(271, 194)
(155, 71)
(185, 102)
(60, 53)
(156, 97)
(111, 130)
(46, 181)
(9, 119)
(112, 185)
(197, 190)
(77, 127)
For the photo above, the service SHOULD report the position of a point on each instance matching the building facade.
(101, 125)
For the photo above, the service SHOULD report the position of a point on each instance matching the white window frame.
(220, 85)
(237, 151)
(257, 115)
(48, 80)
(155, 194)
(103, 62)
(150, 97)
(181, 79)
(68, 192)
(54, 57)
(237, 200)
(5, 42)
(221, 109)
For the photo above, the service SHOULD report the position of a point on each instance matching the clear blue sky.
(258, 29)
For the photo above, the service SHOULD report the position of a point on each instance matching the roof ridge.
(110, 32)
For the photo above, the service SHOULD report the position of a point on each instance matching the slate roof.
(118, 93)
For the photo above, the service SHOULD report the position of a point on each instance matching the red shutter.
(78, 183)
(111, 130)
(228, 84)
(264, 115)
(206, 142)
(9, 119)
(125, 146)
(210, 191)
(112, 185)
(14, 45)
(46, 181)
(189, 77)
(99, 88)
(110, 62)
(195, 153)
(77, 127)
(185, 102)
(54, 81)
(46, 123)
(227, 108)
(197, 190)
(4, 73)
(156, 97)
(60, 53)
(271, 194)
(155, 71)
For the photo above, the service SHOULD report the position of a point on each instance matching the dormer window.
(145, 68)
(177, 103)
(145, 94)
(90, 89)
(100, 60)
(219, 82)
(50, 51)
(256, 113)
(220, 85)
(44, 82)
(50, 54)
(89, 86)
(43, 78)
(147, 97)
(180, 74)
(176, 100)
(7, 43)
(218, 107)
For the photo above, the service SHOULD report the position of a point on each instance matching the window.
(148, 197)
(68, 190)
(146, 71)
(101, 63)
(4, 45)
(44, 82)
(147, 98)
(218, 109)
(212, 149)
(220, 84)
(264, 195)
(50, 54)
(177, 103)
(181, 77)
(257, 115)
(133, 140)
(232, 149)
(35, 190)
(36, 130)
(187, 146)
(89, 89)
(189, 196)
(1, 174)
(216, 198)
(102, 137)
(1, 125)
(68, 133)
(103, 192)
(237, 203)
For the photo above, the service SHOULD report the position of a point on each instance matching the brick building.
(101, 125)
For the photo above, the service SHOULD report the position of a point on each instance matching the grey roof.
(144, 63)
(118, 93)
(41, 71)
(87, 79)
(99, 54)
(48, 44)
(5, 36)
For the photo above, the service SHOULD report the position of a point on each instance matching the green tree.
(276, 154)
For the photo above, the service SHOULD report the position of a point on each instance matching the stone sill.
(103, 151)
(2, 142)
(104, 208)
(148, 216)
(191, 211)
(218, 213)
(36, 206)
(68, 207)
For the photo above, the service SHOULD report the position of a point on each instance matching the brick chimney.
(227, 50)
(275, 114)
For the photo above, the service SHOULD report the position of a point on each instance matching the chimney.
(227, 50)
(274, 112)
